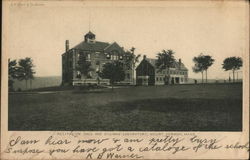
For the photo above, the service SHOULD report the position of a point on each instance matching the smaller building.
(148, 74)
(145, 73)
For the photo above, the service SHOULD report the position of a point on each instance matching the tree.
(165, 60)
(12, 74)
(113, 71)
(131, 61)
(25, 70)
(202, 63)
(83, 66)
(232, 63)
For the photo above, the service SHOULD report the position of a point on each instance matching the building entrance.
(177, 80)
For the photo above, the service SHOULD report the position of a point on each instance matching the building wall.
(181, 75)
(67, 67)
(97, 59)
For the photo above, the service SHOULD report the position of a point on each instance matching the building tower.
(89, 37)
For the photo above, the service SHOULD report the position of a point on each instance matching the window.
(156, 78)
(108, 56)
(97, 54)
(78, 74)
(128, 76)
(88, 56)
(97, 62)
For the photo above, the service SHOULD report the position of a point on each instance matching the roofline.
(86, 42)
(147, 62)
(108, 46)
(111, 45)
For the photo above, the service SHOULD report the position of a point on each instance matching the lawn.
(211, 107)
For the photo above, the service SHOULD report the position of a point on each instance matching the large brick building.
(97, 53)
(148, 74)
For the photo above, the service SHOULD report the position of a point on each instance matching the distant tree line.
(23, 69)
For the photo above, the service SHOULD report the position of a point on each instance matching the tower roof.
(89, 33)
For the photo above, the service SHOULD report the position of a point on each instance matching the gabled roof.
(113, 46)
(144, 63)
(181, 66)
(108, 46)
(92, 45)
(175, 65)
(96, 46)
(151, 61)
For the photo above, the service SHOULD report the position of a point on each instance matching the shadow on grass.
(176, 114)
(165, 114)
(173, 104)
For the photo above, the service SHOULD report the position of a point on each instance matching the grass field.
(211, 107)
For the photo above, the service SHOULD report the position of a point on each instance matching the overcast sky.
(219, 29)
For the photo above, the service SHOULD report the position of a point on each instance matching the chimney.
(179, 64)
(66, 45)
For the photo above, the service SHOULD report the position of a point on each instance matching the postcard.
(125, 80)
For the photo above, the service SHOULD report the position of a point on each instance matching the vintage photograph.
(90, 67)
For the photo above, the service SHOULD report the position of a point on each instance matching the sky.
(217, 28)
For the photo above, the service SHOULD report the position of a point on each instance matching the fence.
(77, 82)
